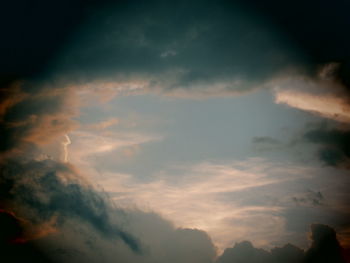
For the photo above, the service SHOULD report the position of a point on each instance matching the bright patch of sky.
(192, 130)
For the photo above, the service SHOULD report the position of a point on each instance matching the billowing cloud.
(325, 248)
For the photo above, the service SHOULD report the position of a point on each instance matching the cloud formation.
(33, 116)
(322, 95)
(324, 248)
(333, 145)
(188, 52)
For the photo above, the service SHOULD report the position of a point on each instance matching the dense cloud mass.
(334, 145)
(324, 248)
(49, 211)
(170, 50)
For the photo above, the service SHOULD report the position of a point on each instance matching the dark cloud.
(177, 45)
(34, 116)
(33, 32)
(13, 249)
(326, 20)
(310, 198)
(188, 45)
(324, 248)
(334, 145)
(236, 43)
(244, 252)
(36, 189)
(288, 254)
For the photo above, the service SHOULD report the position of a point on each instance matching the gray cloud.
(334, 145)
(324, 248)
(310, 198)
(266, 143)
(32, 114)
(227, 46)
(36, 188)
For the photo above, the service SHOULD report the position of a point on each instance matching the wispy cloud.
(88, 143)
(325, 105)
(199, 197)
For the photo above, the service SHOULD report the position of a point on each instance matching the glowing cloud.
(322, 95)
(325, 105)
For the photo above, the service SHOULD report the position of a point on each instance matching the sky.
(175, 131)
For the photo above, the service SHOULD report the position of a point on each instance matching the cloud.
(232, 51)
(186, 53)
(326, 97)
(322, 95)
(328, 106)
(12, 244)
(50, 193)
(46, 189)
(89, 145)
(333, 145)
(104, 124)
(310, 198)
(130, 49)
(324, 248)
(244, 252)
(34, 116)
(266, 143)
